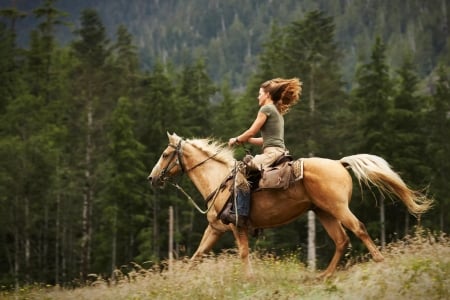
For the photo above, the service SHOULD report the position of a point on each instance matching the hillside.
(229, 35)
(415, 268)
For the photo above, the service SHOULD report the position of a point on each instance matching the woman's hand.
(233, 141)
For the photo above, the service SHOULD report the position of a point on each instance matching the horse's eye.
(166, 154)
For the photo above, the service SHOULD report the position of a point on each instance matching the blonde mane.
(211, 147)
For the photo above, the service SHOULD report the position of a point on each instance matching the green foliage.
(194, 94)
(373, 97)
(406, 128)
(438, 144)
(122, 195)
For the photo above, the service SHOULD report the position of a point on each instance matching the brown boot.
(225, 215)
(242, 221)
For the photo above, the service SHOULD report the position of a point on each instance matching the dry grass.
(415, 268)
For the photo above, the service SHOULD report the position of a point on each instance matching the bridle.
(178, 153)
(172, 162)
(176, 159)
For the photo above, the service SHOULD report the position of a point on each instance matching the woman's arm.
(256, 141)
(247, 136)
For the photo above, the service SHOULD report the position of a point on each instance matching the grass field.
(416, 268)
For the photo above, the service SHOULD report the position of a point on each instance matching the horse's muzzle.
(155, 181)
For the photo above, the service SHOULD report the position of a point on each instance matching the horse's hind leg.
(210, 237)
(339, 237)
(349, 220)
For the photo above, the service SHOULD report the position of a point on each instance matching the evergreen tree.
(407, 141)
(8, 68)
(158, 112)
(13, 15)
(90, 84)
(123, 209)
(407, 138)
(438, 147)
(195, 92)
(311, 48)
(42, 46)
(373, 102)
(33, 133)
(126, 63)
(223, 119)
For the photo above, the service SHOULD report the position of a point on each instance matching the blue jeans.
(243, 202)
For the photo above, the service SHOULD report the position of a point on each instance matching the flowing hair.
(284, 92)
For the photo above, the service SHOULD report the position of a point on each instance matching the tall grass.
(417, 267)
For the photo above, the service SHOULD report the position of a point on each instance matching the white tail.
(372, 169)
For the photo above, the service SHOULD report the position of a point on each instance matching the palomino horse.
(326, 188)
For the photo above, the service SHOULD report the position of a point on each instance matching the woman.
(275, 98)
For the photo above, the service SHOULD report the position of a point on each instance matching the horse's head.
(169, 163)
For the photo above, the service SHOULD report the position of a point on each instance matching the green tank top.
(273, 129)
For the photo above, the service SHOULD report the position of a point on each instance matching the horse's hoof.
(378, 258)
(324, 275)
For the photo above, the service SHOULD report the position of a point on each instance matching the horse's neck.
(208, 177)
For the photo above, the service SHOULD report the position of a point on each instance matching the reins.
(212, 197)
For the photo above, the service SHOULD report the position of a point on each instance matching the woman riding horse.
(326, 188)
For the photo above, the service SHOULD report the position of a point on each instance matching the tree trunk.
(27, 239)
(311, 240)
(170, 237)
(114, 245)
(382, 224)
(177, 229)
(87, 197)
(57, 237)
(155, 226)
(311, 215)
(16, 247)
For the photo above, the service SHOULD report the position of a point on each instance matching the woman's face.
(263, 97)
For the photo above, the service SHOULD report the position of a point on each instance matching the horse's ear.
(173, 138)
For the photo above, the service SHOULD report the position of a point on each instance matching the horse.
(326, 189)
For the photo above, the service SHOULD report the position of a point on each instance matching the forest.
(90, 88)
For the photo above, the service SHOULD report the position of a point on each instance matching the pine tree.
(91, 50)
(407, 137)
(438, 146)
(8, 68)
(123, 209)
(158, 112)
(223, 120)
(195, 92)
(373, 97)
(126, 63)
(373, 102)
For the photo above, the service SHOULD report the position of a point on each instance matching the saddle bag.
(278, 177)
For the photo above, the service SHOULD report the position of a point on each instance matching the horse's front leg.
(241, 236)
(210, 237)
